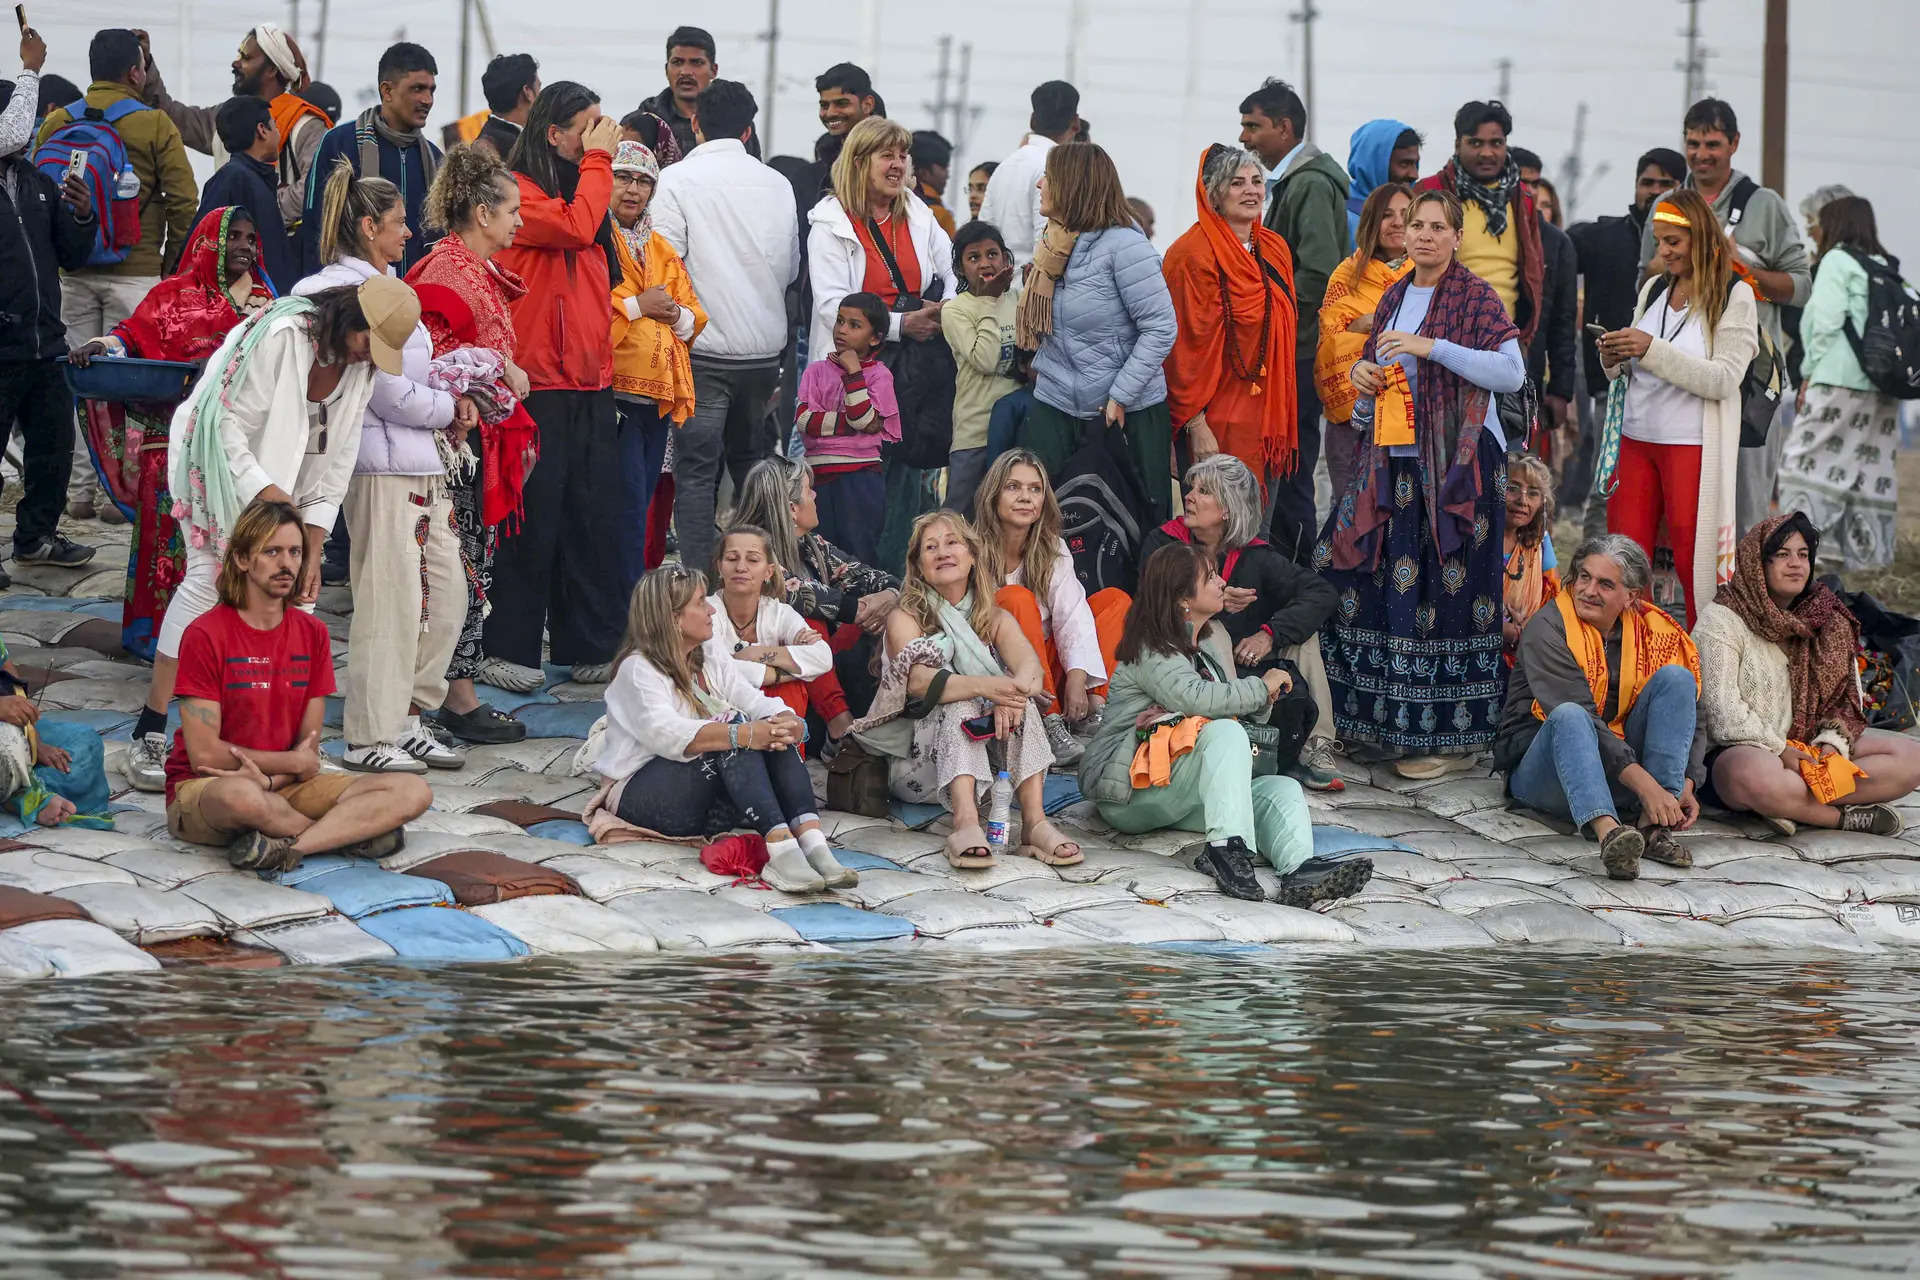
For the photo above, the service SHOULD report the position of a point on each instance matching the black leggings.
(718, 790)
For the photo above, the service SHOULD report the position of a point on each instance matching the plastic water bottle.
(999, 810)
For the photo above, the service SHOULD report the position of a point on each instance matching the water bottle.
(999, 810)
(127, 185)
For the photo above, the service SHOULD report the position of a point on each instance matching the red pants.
(1109, 619)
(1655, 481)
(823, 693)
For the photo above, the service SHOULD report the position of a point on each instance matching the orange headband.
(1666, 213)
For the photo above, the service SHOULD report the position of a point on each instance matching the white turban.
(283, 53)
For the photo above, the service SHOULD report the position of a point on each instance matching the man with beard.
(384, 141)
(664, 123)
(247, 179)
(254, 678)
(1500, 242)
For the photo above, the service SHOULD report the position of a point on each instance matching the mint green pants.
(1212, 789)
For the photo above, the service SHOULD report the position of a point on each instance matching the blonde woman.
(955, 660)
(692, 747)
(1354, 291)
(1018, 519)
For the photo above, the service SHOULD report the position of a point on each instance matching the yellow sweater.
(1495, 259)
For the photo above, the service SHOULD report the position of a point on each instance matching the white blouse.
(1065, 617)
(647, 717)
(775, 622)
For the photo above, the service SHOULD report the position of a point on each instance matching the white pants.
(409, 601)
(91, 304)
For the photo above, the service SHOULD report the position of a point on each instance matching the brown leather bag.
(857, 782)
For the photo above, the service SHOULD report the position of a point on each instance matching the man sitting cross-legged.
(254, 677)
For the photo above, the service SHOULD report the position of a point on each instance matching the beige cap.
(393, 311)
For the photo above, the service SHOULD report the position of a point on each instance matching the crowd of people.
(793, 459)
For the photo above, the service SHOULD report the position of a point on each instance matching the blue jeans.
(1561, 773)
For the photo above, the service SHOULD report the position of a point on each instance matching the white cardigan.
(646, 717)
(837, 265)
(1065, 617)
(1746, 691)
(775, 622)
(1716, 379)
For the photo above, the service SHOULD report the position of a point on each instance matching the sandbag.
(475, 824)
(479, 876)
(561, 925)
(84, 842)
(683, 920)
(170, 868)
(1464, 897)
(44, 871)
(1887, 879)
(145, 916)
(1137, 924)
(1520, 869)
(1545, 922)
(1627, 895)
(1116, 866)
(1643, 929)
(358, 891)
(21, 959)
(1261, 922)
(834, 922)
(1890, 922)
(212, 953)
(23, 906)
(443, 933)
(939, 913)
(81, 948)
(1799, 935)
(1793, 873)
(424, 846)
(603, 879)
(1724, 901)
(1409, 926)
(1046, 899)
(329, 939)
(1008, 869)
(877, 888)
(244, 902)
(1411, 868)
(1390, 821)
(1829, 847)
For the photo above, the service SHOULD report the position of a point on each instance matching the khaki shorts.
(310, 799)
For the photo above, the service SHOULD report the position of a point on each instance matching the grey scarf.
(370, 129)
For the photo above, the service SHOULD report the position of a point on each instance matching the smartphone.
(1597, 330)
(76, 164)
(980, 728)
(20, 15)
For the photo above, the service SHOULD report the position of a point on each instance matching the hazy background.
(1160, 80)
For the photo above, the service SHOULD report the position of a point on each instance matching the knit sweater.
(1746, 690)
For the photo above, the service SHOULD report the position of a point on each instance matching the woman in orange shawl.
(1230, 376)
(1346, 318)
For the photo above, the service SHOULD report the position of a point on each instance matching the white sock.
(814, 841)
(788, 863)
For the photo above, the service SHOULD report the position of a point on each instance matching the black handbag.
(923, 374)
(1265, 739)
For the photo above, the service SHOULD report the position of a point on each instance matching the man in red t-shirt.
(254, 677)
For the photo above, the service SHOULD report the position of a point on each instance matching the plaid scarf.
(1492, 200)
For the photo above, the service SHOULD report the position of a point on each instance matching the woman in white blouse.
(775, 648)
(692, 747)
(1018, 519)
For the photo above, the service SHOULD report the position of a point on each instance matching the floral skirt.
(1838, 469)
(1413, 653)
(942, 752)
(129, 447)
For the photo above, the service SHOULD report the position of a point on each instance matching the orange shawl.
(1649, 640)
(648, 360)
(1528, 585)
(1352, 292)
(1253, 417)
(287, 109)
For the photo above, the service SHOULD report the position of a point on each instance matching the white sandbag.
(163, 868)
(1137, 925)
(1165, 843)
(1521, 869)
(604, 879)
(329, 939)
(244, 901)
(1794, 873)
(1119, 866)
(44, 871)
(144, 916)
(654, 855)
(1507, 825)
(838, 822)
(82, 842)
(1886, 879)
(463, 797)
(532, 786)
(877, 888)
(1449, 846)
(1846, 846)
(1890, 922)
(21, 959)
(1408, 926)
(556, 925)
(1724, 901)
(1262, 922)
(1710, 851)
(1049, 898)
(1464, 897)
(92, 695)
(1411, 868)
(1010, 869)
(424, 846)
(1377, 890)
(1001, 938)
(683, 920)
(758, 897)
(1562, 850)
(688, 872)
(81, 948)
(1390, 822)
(939, 912)
(1596, 893)
(1545, 922)
(1454, 796)
(1643, 929)
(896, 843)
(1366, 795)
(530, 754)
(1799, 935)
(1165, 883)
(463, 824)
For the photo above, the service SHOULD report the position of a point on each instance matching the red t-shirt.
(899, 239)
(262, 680)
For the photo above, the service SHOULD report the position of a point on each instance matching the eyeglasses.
(1528, 491)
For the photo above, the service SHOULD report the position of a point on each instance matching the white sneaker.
(422, 745)
(790, 872)
(1067, 749)
(510, 676)
(381, 757)
(146, 764)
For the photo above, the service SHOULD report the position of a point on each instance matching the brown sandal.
(967, 849)
(1052, 854)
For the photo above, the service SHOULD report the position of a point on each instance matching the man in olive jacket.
(1307, 206)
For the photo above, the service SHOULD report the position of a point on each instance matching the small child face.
(979, 261)
(852, 331)
(744, 564)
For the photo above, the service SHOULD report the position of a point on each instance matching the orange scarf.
(1352, 292)
(648, 360)
(1527, 585)
(287, 109)
(1649, 640)
(1254, 417)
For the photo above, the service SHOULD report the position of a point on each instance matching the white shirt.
(1065, 617)
(774, 622)
(1657, 411)
(731, 220)
(647, 717)
(1012, 201)
(837, 264)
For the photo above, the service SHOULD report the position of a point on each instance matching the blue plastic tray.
(126, 378)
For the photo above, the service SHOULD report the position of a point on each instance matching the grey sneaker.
(146, 766)
(1316, 769)
(55, 550)
(1067, 749)
(1871, 819)
(510, 676)
(592, 672)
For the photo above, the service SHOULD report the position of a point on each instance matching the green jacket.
(1158, 680)
(1839, 294)
(168, 194)
(1309, 210)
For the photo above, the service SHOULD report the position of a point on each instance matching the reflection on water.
(1040, 1114)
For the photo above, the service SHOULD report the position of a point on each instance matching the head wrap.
(636, 157)
(283, 53)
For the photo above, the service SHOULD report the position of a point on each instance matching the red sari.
(185, 318)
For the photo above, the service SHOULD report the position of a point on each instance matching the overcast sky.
(1160, 80)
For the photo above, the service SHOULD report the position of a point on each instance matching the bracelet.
(733, 737)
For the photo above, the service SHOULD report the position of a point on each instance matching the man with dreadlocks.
(1500, 242)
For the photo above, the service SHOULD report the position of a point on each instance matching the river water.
(1128, 1112)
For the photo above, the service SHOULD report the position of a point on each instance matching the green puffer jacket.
(1309, 210)
(1165, 680)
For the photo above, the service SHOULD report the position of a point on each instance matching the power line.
(1306, 15)
(772, 36)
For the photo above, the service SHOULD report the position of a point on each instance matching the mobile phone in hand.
(1598, 331)
(979, 728)
(76, 164)
(20, 16)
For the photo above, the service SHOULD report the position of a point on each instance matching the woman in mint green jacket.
(1838, 464)
(1169, 672)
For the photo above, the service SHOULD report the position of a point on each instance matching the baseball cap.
(392, 310)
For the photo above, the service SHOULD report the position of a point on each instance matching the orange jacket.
(560, 322)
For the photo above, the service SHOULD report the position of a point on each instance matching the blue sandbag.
(1328, 841)
(361, 890)
(443, 933)
(560, 719)
(859, 861)
(1197, 947)
(62, 604)
(834, 922)
(1058, 791)
(915, 817)
(571, 830)
(335, 716)
(506, 699)
(318, 864)
(105, 722)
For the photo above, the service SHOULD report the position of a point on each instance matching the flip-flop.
(967, 849)
(1050, 854)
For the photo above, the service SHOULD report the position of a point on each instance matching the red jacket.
(1522, 215)
(560, 322)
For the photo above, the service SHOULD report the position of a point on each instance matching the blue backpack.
(109, 174)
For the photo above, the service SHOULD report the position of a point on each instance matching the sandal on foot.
(1060, 852)
(1620, 851)
(967, 849)
(1662, 847)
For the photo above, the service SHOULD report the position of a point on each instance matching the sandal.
(1060, 852)
(967, 849)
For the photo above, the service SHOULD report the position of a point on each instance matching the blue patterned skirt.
(1413, 651)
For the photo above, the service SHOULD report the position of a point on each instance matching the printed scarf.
(1649, 640)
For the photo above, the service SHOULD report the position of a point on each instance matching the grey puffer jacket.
(1113, 326)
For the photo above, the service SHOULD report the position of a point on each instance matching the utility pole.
(1076, 35)
(772, 36)
(964, 113)
(1305, 15)
(1505, 67)
(320, 44)
(1695, 65)
(466, 55)
(1773, 151)
(1570, 168)
(942, 105)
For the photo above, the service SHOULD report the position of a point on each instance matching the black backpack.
(1099, 493)
(1889, 351)
(923, 376)
(1760, 390)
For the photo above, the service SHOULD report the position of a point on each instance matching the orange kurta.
(1350, 295)
(648, 360)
